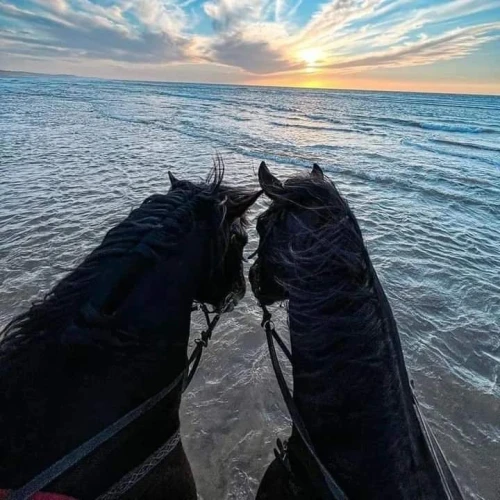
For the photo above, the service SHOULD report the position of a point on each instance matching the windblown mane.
(331, 267)
(144, 231)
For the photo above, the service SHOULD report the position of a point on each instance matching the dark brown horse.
(354, 402)
(112, 334)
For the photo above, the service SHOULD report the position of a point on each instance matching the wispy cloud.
(230, 14)
(452, 45)
(253, 37)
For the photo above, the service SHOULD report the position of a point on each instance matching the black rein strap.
(58, 468)
(202, 342)
(332, 490)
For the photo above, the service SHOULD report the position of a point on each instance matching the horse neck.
(164, 319)
(352, 391)
(97, 386)
(158, 310)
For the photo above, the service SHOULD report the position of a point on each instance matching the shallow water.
(422, 173)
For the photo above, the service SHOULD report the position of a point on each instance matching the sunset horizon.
(422, 46)
(450, 88)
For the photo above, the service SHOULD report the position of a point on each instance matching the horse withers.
(362, 435)
(111, 335)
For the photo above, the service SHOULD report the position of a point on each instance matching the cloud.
(451, 45)
(255, 57)
(160, 15)
(53, 5)
(253, 37)
(98, 32)
(258, 36)
(229, 14)
(248, 35)
(335, 15)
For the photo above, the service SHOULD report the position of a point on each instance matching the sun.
(311, 56)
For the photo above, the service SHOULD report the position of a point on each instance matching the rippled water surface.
(422, 173)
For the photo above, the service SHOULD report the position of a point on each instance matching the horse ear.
(237, 207)
(317, 173)
(270, 184)
(173, 180)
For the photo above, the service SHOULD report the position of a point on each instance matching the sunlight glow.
(311, 56)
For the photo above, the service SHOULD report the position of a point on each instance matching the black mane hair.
(331, 266)
(142, 231)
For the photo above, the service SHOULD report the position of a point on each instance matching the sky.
(416, 45)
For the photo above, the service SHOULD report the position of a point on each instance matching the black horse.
(354, 401)
(112, 334)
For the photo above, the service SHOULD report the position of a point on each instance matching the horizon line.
(292, 87)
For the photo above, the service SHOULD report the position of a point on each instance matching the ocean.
(421, 172)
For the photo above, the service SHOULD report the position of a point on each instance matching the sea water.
(421, 172)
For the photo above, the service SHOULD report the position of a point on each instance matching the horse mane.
(47, 318)
(331, 272)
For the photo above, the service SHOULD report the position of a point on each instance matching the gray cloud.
(255, 57)
(90, 36)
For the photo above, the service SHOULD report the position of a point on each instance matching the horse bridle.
(78, 454)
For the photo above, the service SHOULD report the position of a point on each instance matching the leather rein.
(58, 468)
(327, 487)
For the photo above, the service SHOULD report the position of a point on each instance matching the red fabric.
(39, 496)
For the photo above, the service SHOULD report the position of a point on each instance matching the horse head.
(113, 333)
(220, 209)
(289, 230)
